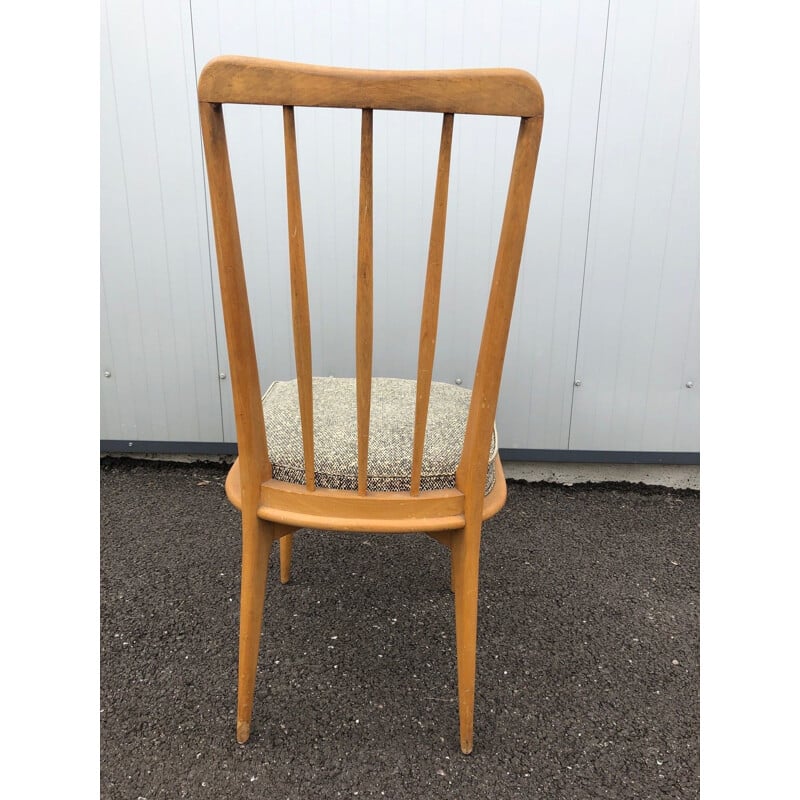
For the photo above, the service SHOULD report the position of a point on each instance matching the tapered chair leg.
(452, 569)
(256, 544)
(466, 554)
(286, 557)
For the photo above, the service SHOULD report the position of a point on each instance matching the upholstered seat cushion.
(391, 434)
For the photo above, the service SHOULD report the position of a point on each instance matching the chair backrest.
(500, 92)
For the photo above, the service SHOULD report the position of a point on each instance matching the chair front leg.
(257, 538)
(286, 557)
(466, 555)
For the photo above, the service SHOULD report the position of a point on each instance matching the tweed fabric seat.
(391, 434)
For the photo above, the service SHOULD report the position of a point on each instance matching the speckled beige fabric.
(391, 434)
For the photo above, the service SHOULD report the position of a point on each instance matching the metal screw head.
(689, 385)
(578, 383)
(459, 381)
(222, 376)
(107, 374)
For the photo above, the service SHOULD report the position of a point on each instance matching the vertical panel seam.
(104, 306)
(693, 313)
(692, 323)
(128, 214)
(588, 227)
(208, 242)
(556, 290)
(198, 367)
(169, 284)
(662, 262)
(626, 286)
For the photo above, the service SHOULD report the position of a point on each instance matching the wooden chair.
(275, 503)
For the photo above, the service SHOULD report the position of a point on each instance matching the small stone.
(675, 662)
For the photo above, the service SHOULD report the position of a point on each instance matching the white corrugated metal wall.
(608, 291)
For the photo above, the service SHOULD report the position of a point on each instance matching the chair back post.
(250, 432)
(470, 475)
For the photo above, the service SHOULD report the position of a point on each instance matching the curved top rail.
(261, 81)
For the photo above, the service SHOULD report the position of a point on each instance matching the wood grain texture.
(301, 318)
(256, 544)
(250, 432)
(291, 505)
(430, 303)
(364, 305)
(286, 556)
(242, 79)
(491, 355)
(274, 509)
(464, 583)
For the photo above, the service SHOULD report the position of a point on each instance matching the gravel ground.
(588, 650)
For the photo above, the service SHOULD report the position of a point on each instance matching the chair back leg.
(465, 558)
(257, 538)
(286, 557)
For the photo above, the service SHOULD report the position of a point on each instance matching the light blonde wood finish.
(378, 512)
(273, 509)
(256, 543)
(430, 303)
(285, 535)
(286, 557)
(280, 531)
(464, 576)
(258, 81)
(250, 433)
(253, 461)
(301, 318)
(491, 355)
(480, 422)
(443, 537)
(364, 301)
